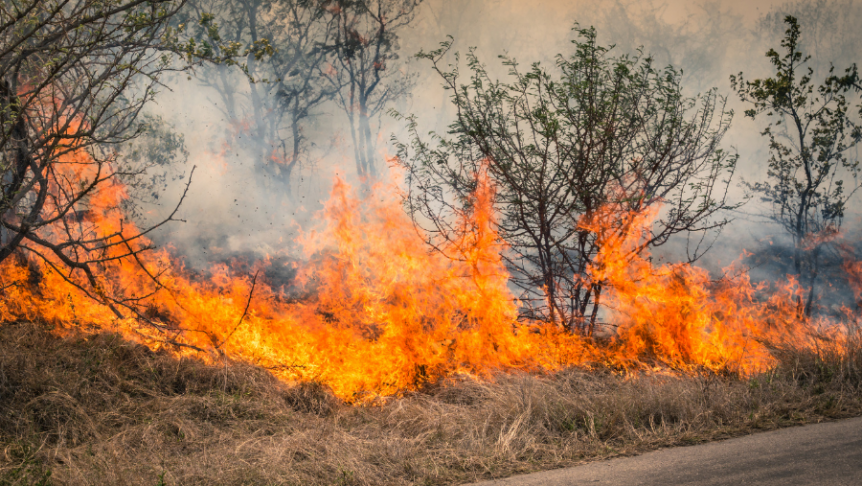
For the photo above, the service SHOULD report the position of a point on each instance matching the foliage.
(151, 161)
(365, 47)
(831, 35)
(601, 131)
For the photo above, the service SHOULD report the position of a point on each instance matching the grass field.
(98, 410)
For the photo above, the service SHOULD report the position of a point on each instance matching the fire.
(852, 267)
(677, 315)
(381, 314)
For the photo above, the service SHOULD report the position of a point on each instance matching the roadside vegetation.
(95, 409)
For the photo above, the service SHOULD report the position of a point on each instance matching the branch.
(244, 312)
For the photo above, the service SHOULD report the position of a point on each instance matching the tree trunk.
(368, 142)
(815, 270)
(256, 102)
(597, 291)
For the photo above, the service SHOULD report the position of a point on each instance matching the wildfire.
(676, 314)
(382, 314)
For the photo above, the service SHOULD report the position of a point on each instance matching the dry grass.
(96, 410)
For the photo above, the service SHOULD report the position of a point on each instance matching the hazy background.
(235, 209)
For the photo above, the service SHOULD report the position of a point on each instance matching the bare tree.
(561, 146)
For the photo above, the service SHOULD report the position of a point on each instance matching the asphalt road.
(823, 454)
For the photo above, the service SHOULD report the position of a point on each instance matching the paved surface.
(822, 454)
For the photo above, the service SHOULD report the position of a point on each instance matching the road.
(824, 454)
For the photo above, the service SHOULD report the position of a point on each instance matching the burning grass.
(98, 409)
(381, 315)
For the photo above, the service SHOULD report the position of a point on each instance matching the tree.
(152, 161)
(561, 146)
(75, 76)
(811, 174)
(314, 52)
(831, 29)
(283, 83)
(365, 47)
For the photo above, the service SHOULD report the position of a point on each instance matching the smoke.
(237, 204)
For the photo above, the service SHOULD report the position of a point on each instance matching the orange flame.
(382, 314)
(676, 314)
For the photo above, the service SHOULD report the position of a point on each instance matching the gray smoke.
(235, 208)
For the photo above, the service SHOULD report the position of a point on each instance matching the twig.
(244, 312)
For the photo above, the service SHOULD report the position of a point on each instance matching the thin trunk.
(815, 270)
(17, 173)
(549, 294)
(797, 265)
(256, 102)
(227, 94)
(368, 140)
(596, 301)
(360, 169)
(292, 160)
(547, 268)
(360, 149)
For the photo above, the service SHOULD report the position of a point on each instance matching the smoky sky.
(233, 208)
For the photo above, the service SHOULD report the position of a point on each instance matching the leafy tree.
(700, 43)
(301, 55)
(812, 171)
(560, 146)
(831, 30)
(151, 161)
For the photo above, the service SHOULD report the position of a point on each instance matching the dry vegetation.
(98, 410)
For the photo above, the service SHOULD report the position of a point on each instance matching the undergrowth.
(95, 409)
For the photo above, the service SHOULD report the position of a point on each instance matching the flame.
(853, 270)
(381, 314)
(677, 315)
